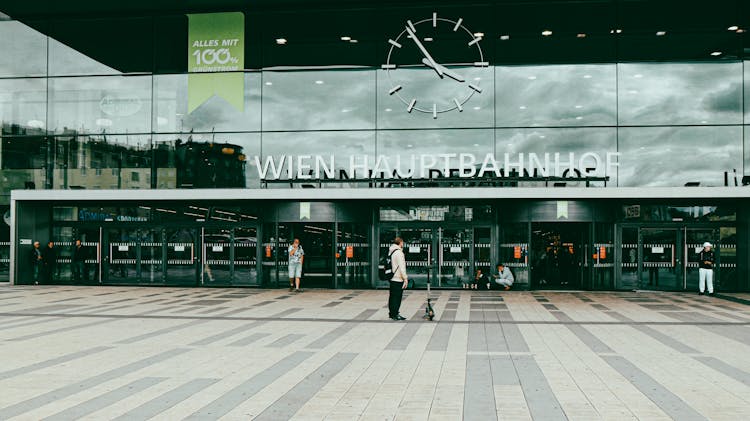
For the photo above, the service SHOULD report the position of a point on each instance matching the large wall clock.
(425, 36)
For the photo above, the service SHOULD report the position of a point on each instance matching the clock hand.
(445, 71)
(424, 52)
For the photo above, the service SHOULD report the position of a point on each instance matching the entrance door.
(559, 258)
(229, 256)
(316, 239)
(662, 259)
(180, 256)
(694, 239)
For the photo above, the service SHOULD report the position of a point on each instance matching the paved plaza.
(127, 353)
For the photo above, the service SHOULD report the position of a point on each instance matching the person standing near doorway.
(296, 258)
(36, 261)
(49, 262)
(706, 261)
(78, 263)
(399, 281)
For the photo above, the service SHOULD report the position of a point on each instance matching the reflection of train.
(203, 164)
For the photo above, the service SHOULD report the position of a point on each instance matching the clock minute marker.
(434, 19)
(394, 89)
(476, 88)
(458, 24)
(434, 110)
(411, 105)
(394, 43)
(458, 105)
(474, 41)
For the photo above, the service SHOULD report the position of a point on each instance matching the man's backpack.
(385, 270)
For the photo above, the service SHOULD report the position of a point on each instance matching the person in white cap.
(706, 261)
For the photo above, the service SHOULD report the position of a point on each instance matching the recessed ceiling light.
(477, 108)
(740, 31)
(579, 118)
(661, 33)
(479, 34)
(733, 28)
(409, 146)
(346, 38)
(522, 107)
(388, 110)
(632, 91)
(353, 41)
(716, 53)
(476, 144)
(579, 106)
(345, 110)
(269, 83)
(587, 76)
(428, 39)
(581, 35)
(542, 136)
(281, 41)
(546, 32)
(318, 82)
(638, 76)
(616, 31)
(504, 37)
(532, 77)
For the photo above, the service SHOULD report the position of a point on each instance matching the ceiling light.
(522, 107)
(638, 76)
(579, 118)
(542, 136)
(587, 76)
(716, 53)
(346, 38)
(409, 146)
(269, 83)
(478, 34)
(476, 144)
(388, 110)
(579, 106)
(581, 35)
(318, 82)
(661, 33)
(353, 41)
(740, 31)
(428, 39)
(532, 77)
(477, 108)
(733, 28)
(632, 91)
(345, 110)
(546, 32)
(281, 41)
(615, 31)
(477, 78)
(504, 37)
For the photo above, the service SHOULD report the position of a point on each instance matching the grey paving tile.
(159, 332)
(541, 400)
(51, 362)
(286, 340)
(667, 401)
(442, 333)
(104, 400)
(583, 334)
(249, 339)
(302, 392)
(731, 371)
(239, 394)
(91, 382)
(167, 400)
(336, 333)
(479, 393)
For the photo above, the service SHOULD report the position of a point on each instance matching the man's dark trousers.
(394, 298)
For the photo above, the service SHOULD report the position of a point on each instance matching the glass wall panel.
(23, 106)
(24, 164)
(215, 114)
(746, 66)
(206, 160)
(319, 100)
(580, 141)
(343, 147)
(406, 149)
(111, 104)
(423, 85)
(674, 156)
(562, 95)
(679, 93)
(23, 50)
(102, 162)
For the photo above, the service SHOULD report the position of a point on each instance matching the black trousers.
(395, 293)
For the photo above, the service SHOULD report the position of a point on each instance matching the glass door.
(353, 256)
(180, 256)
(229, 256)
(694, 239)
(417, 250)
(452, 263)
(662, 259)
(560, 255)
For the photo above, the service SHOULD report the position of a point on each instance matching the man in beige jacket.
(399, 281)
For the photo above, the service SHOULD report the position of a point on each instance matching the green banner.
(216, 44)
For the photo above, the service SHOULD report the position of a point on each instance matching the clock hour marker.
(458, 104)
(474, 41)
(476, 88)
(388, 66)
(394, 43)
(434, 19)
(481, 63)
(458, 24)
(411, 26)
(434, 110)
(411, 105)
(394, 90)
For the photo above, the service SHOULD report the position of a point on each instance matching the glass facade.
(101, 99)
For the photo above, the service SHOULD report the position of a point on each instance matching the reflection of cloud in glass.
(319, 100)
(26, 43)
(673, 156)
(23, 102)
(555, 95)
(680, 93)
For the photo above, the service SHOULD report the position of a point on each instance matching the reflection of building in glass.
(201, 164)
